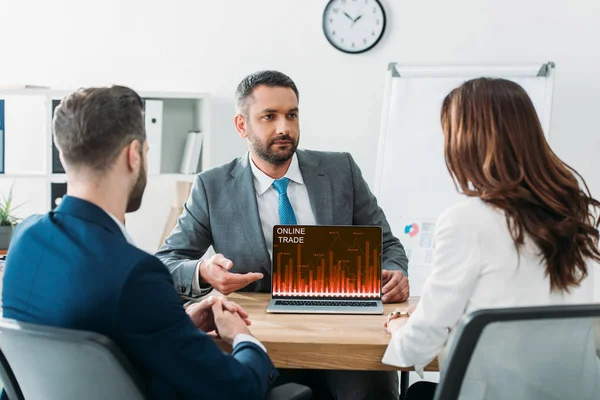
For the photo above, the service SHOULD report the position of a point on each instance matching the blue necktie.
(286, 212)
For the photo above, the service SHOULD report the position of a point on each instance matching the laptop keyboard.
(326, 303)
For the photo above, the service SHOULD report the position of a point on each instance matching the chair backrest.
(57, 363)
(523, 353)
(9, 381)
(597, 335)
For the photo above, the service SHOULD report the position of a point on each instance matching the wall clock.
(354, 26)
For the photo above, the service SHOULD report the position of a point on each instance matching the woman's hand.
(398, 318)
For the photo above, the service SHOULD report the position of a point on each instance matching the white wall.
(208, 46)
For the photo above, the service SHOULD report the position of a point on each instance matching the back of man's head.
(91, 126)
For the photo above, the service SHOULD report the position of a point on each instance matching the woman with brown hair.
(525, 236)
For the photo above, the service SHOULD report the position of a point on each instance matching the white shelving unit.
(31, 170)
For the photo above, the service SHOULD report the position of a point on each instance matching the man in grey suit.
(234, 207)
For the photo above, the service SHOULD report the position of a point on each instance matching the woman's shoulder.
(470, 212)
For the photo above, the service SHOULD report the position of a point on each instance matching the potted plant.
(7, 220)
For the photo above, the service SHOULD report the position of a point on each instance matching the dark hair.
(91, 126)
(266, 78)
(495, 149)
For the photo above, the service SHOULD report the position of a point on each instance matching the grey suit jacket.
(222, 211)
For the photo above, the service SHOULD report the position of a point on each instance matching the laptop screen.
(326, 261)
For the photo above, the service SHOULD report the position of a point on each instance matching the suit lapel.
(318, 187)
(243, 200)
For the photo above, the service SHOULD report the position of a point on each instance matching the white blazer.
(475, 266)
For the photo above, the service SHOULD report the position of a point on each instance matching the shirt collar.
(262, 181)
(122, 228)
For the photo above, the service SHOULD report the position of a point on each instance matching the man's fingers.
(397, 295)
(403, 280)
(197, 309)
(240, 280)
(229, 305)
(397, 278)
(237, 308)
(206, 303)
(385, 275)
(217, 308)
(405, 292)
(220, 260)
(392, 295)
(232, 282)
(391, 284)
(253, 277)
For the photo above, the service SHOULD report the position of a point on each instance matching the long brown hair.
(495, 149)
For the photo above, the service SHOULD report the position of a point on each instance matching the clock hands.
(354, 19)
(357, 18)
(360, 16)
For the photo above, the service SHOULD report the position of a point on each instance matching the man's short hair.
(91, 126)
(267, 78)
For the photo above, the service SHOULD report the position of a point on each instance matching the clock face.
(353, 26)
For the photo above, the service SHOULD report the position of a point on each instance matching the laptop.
(326, 269)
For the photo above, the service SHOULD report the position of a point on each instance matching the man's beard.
(275, 157)
(137, 192)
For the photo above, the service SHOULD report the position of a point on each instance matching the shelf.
(23, 90)
(175, 177)
(173, 95)
(32, 150)
(58, 177)
(21, 176)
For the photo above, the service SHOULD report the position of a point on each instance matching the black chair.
(552, 347)
(9, 382)
(58, 363)
(404, 382)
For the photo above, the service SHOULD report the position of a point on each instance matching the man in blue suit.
(76, 267)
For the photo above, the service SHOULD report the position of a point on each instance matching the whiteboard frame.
(397, 71)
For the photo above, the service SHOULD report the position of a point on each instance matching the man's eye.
(293, 115)
(268, 117)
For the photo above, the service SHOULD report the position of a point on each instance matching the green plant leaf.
(7, 217)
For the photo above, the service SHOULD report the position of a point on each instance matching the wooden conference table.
(313, 341)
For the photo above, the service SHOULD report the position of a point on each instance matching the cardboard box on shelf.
(182, 192)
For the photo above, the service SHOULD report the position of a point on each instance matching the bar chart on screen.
(317, 261)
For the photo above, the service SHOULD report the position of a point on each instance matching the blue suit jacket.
(73, 268)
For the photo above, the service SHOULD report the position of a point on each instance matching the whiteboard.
(412, 183)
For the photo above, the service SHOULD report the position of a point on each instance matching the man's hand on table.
(229, 324)
(395, 286)
(203, 316)
(215, 272)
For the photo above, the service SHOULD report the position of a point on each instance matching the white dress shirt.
(268, 199)
(475, 266)
(196, 288)
(122, 228)
(239, 338)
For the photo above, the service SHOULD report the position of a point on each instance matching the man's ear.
(240, 125)
(134, 159)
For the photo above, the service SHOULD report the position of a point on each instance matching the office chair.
(524, 353)
(58, 363)
(9, 382)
